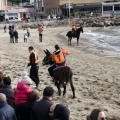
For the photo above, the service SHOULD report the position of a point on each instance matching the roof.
(20, 9)
(80, 1)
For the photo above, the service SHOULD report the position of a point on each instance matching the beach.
(96, 76)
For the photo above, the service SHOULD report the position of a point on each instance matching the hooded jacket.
(22, 93)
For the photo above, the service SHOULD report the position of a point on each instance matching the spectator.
(35, 17)
(5, 29)
(1, 79)
(16, 35)
(25, 35)
(23, 111)
(59, 112)
(7, 90)
(28, 31)
(22, 92)
(91, 14)
(6, 111)
(48, 17)
(40, 110)
(96, 114)
(11, 33)
(12, 27)
(40, 29)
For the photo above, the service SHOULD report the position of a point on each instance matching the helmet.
(57, 47)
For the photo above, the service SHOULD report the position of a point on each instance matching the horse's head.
(47, 59)
(80, 29)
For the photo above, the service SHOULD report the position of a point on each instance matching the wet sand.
(96, 78)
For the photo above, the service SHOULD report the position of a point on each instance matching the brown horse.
(62, 75)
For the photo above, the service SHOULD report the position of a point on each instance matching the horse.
(62, 75)
(71, 35)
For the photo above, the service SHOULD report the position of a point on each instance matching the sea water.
(104, 41)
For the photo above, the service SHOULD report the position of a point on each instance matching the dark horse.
(71, 35)
(62, 75)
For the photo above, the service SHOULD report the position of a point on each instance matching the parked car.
(13, 19)
(25, 3)
(29, 5)
(30, 19)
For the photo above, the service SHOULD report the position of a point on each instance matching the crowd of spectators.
(24, 103)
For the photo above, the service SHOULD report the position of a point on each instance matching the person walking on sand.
(40, 29)
(16, 36)
(33, 62)
(5, 29)
(11, 33)
(28, 31)
(25, 35)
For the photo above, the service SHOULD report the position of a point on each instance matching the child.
(25, 35)
(22, 92)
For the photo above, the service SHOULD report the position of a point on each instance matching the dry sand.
(96, 78)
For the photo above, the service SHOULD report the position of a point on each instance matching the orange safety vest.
(73, 27)
(36, 57)
(59, 58)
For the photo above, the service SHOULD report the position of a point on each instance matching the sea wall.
(86, 22)
(98, 21)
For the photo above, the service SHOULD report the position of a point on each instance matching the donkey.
(62, 76)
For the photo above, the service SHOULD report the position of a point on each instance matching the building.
(3, 5)
(3, 8)
(101, 7)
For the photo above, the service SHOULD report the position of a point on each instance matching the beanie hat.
(25, 78)
(61, 112)
(7, 80)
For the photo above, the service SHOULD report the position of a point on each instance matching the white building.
(3, 5)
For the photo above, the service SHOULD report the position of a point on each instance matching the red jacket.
(22, 93)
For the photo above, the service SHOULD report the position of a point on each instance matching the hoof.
(74, 97)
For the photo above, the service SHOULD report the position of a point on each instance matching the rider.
(58, 56)
(73, 29)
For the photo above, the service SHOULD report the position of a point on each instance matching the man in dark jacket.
(23, 111)
(40, 110)
(10, 27)
(11, 33)
(7, 90)
(6, 111)
(16, 36)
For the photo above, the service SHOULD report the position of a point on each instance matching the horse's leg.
(72, 87)
(77, 41)
(59, 90)
(70, 40)
(64, 92)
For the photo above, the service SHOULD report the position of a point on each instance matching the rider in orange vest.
(59, 57)
(74, 29)
(33, 62)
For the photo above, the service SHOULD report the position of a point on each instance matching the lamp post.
(69, 8)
